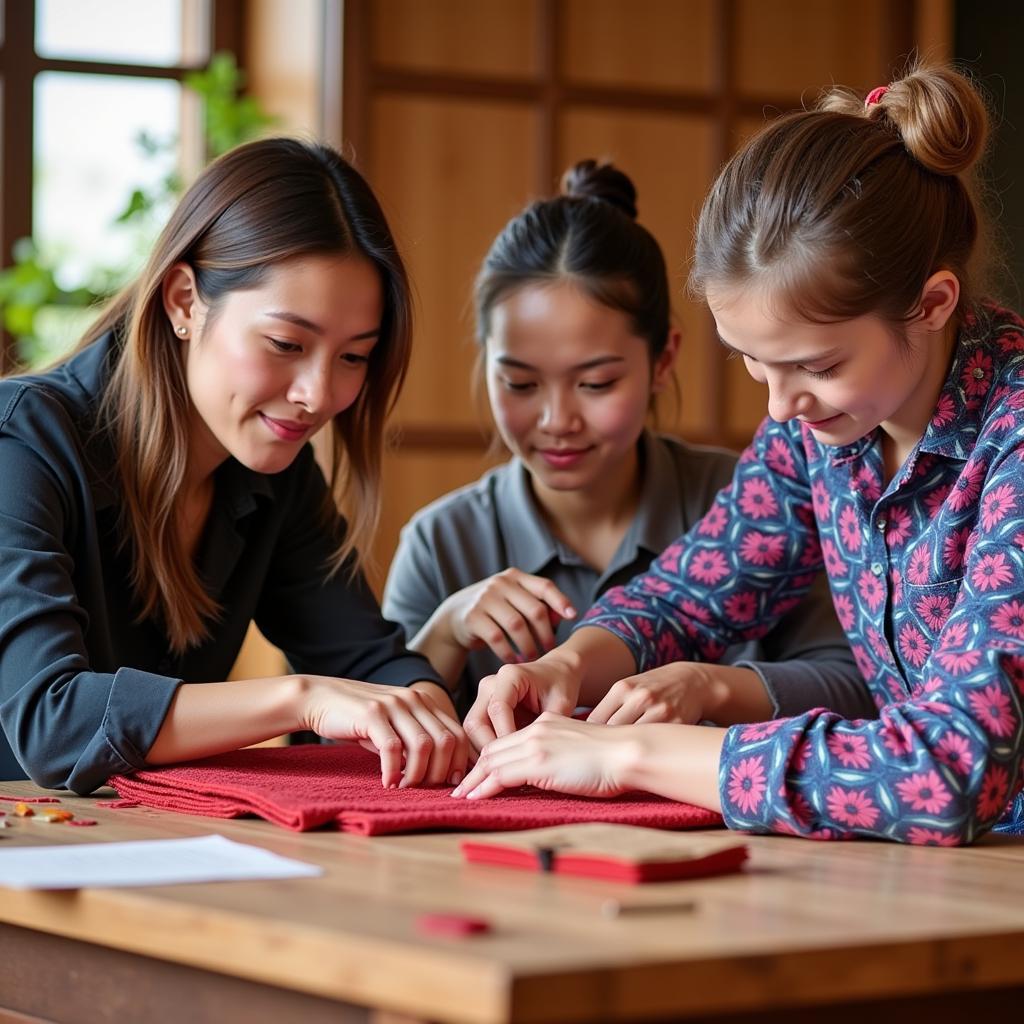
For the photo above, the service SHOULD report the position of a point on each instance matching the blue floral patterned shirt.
(927, 577)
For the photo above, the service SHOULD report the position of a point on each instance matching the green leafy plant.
(229, 118)
(30, 288)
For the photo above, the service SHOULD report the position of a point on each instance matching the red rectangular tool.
(619, 853)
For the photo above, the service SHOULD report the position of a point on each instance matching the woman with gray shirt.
(573, 317)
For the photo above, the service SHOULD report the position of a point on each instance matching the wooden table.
(812, 931)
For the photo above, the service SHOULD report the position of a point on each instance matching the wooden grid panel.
(644, 44)
(446, 201)
(457, 37)
(669, 158)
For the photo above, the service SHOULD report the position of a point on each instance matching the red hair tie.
(875, 96)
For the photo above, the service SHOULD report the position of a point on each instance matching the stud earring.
(181, 330)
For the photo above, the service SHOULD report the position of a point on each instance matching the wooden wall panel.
(282, 42)
(660, 44)
(449, 172)
(669, 157)
(795, 47)
(490, 37)
(463, 110)
(746, 401)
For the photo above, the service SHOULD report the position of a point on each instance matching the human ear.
(664, 365)
(180, 299)
(939, 296)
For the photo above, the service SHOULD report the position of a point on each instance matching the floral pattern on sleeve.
(927, 577)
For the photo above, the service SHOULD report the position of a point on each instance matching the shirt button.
(977, 373)
(877, 568)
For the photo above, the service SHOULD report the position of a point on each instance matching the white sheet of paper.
(146, 862)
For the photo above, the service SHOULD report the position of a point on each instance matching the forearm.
(679, 762)
(597, 658)
(211, 718)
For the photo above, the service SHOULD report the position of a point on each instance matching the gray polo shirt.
(495, 523)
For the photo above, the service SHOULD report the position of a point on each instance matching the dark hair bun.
(602, 181)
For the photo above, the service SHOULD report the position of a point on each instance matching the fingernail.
(570, 612)
(456, 778)
(457, 791)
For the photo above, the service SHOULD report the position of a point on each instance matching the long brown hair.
(260, 204)
(846, 210)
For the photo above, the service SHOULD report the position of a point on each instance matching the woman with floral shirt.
(838, 253)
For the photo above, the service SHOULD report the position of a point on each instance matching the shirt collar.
(956, 420)
(241, 487)
(659, 515)
(531, 545)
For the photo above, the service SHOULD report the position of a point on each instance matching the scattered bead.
(55, 817)
(83, 822)
(452, 925)
(31, 799)
(22, 810)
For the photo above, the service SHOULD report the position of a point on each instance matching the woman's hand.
(686, 692)
(550, 684)
(512, 613)
(672, 693)
(554, 753)
(415, 726)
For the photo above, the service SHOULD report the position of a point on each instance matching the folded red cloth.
(303, 787)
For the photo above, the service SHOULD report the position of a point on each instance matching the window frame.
(19, 66)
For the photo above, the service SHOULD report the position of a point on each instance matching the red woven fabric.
(303, 787)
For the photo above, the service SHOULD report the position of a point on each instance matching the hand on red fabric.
(549, 684)
(671, 693)
(419, 739)
(554, 753)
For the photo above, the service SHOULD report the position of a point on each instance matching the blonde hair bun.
(938, 111)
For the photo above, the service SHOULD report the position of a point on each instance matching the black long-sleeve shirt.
(84, 686)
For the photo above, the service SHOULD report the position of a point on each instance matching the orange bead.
(23, 810)
(55, 817)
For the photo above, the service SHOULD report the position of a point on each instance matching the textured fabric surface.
(304, 787)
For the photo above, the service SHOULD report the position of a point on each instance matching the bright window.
(120, 31)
